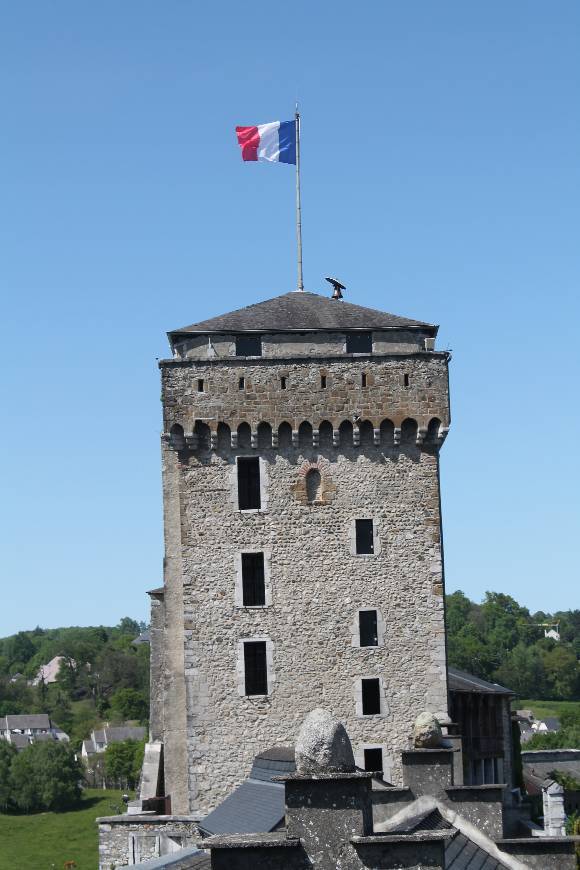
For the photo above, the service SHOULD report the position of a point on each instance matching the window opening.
(282, 383)
(253, 586)
(249, 483)
(371, 697)
(313, 485)
(364, 536)
(373, 760)
(363, 379)
(255, 669)
(200, 385)
(241, 383)
(248, 345)
(359, 342)
(322, 382)
(406, 380)
(367, 623)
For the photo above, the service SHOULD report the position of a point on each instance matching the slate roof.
(21, 722)
(257, 805)
(551, 723)
(461, 681)
(461, 853)
(114, 734)
(301, 312)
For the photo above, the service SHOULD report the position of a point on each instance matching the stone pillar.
(554, 813)
(428, 771)
(326, 811)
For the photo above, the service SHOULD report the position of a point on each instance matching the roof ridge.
(297, 311)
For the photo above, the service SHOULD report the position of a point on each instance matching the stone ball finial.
(427, 732)
(323, 746)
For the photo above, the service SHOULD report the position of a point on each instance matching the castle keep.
(303, 557)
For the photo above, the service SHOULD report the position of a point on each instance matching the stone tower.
(303, 562)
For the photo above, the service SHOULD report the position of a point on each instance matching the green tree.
(523, 672)
(562, 672)
(121, 762)
(7, 756)
(128, 704)
(46, 776)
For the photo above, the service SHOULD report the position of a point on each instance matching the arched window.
(264, 435)
(244, 435)
(313, 486)
(305, 434)
(325, 434)
(284, 435)
(176, 437)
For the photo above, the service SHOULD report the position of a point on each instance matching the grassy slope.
(541, 709)
(46, 840)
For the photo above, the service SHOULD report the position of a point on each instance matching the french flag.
(274, 142)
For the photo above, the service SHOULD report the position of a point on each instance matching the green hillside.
(44, 841)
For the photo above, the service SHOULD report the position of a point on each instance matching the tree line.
(500, 640)
(103, 676)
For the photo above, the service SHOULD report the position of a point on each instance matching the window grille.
(253, 586)
(249, 483)
(255, 668)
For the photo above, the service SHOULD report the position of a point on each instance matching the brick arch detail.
(327, 485)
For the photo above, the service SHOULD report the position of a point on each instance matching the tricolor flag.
(274, 142)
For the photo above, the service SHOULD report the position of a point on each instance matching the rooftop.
(460, 681)
(302, 312)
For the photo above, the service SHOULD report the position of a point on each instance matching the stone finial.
(323, 746)
(427, 732)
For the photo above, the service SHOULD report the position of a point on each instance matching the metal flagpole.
(298, 206)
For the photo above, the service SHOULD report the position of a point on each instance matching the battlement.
(380, 401)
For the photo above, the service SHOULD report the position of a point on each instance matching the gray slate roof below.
(461, 681)
(461, 853)
(24, 721)
(257, 805)
(254, 807)
(299, 312)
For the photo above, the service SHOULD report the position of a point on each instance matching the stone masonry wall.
(262, 399)
(317, 583)
(126, 840)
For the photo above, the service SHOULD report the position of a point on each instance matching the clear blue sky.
(441, 181)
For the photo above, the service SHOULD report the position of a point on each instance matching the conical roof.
(302, 312)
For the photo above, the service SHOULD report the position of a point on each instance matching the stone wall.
(262, 399)
(312, 344)
(127, 840)
(317, 584)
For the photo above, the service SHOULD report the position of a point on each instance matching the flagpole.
(300, 287)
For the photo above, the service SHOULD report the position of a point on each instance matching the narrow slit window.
(249, 483)
(241, 383)
(249, 345)
(359, 342)
(406, 380)
(200, 385)
(253, 585)
(322, 382)
(364, 537)
(283, 383)
(371, 697)
(374, 760)
(367, 623)
(255, 668)
(363, 379)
